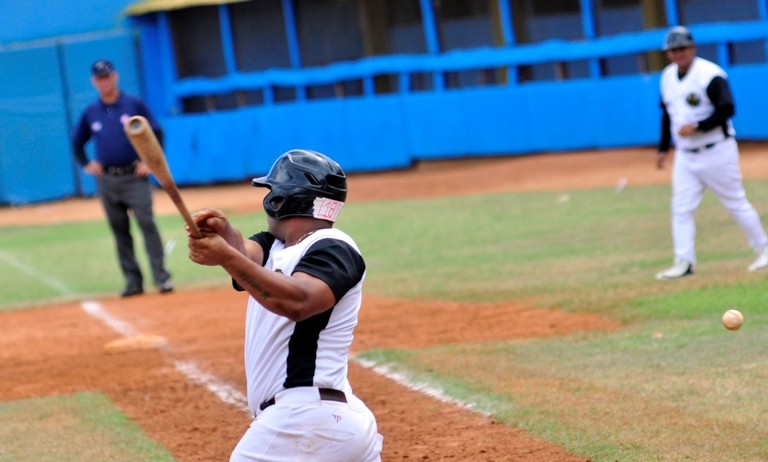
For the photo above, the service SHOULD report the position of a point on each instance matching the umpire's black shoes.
(165, 287)
(131, 290)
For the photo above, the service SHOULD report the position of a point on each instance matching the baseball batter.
(305, 282)
(697, 107)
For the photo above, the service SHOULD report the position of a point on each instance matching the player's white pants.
(299, 426)
(718, 169)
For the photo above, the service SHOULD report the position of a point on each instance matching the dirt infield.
(60, 349)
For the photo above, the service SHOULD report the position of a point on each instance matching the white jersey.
(687, 102)
(313, 352)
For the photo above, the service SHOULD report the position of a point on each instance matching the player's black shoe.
(131, 290)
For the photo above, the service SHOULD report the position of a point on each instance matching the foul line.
(231, 395)
(117, 324)
(403, 380)
(224, 391)
(30, 271)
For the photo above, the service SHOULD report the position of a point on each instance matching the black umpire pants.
(118, 194)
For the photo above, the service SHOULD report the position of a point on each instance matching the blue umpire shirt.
(104, 123)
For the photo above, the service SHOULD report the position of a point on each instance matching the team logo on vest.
(96, 126)
(693, 99)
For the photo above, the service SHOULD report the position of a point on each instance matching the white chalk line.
(30, 271)
(403, 380)
(231, 395)
(117, 324)
(224, 391)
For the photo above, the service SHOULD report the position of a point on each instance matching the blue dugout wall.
(374, 131)
(45, 84)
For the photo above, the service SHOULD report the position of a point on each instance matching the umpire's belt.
(326, 394)
(129, 169)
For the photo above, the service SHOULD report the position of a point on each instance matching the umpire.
(121, 177)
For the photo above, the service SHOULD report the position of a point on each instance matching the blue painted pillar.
(431, 36)
(168, 62)
(508, 35)
(588, 27)
(294, 51)
(227, 44)
(670, 6)
(762, 13)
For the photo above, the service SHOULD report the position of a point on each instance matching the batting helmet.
(678, 37)
(297, 179)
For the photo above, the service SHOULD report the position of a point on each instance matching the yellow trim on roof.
(153, 6)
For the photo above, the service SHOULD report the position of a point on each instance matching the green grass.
(83, 427)
(673, 385)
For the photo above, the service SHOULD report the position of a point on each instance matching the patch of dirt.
(60, 349)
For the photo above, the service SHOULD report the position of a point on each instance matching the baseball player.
(697, 107)
(305, 279)
(121, 177)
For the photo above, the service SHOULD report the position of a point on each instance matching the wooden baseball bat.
(145, 143)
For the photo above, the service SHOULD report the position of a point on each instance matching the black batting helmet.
(304, 183)
(678, 37)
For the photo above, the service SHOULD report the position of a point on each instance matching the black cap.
(102, 67)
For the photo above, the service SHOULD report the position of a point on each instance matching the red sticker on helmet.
(327, 209)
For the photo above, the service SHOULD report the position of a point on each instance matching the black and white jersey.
(280, 353)
(687, 101)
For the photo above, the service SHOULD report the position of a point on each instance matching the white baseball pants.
(718, 169)
(299, 426)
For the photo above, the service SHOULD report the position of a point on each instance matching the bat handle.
(175, 196)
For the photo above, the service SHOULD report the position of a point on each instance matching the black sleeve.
(666, 131)
(80, 135)
(265, 240)
(334, 261)
(80, 156)
(719, 93)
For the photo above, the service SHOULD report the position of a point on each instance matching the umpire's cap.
(102, 67)
(678, 37)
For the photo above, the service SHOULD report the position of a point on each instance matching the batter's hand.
(211, 220)
(661, 159)
(210, 250)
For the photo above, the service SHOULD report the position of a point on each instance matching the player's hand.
(687, 130)
(661, 159)
(211, 220)
(94, 168)
(210, 250)
(142, 170)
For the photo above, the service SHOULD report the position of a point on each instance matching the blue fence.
(375, 131)
(44, 87)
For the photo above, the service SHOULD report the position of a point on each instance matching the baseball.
(732, 320)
